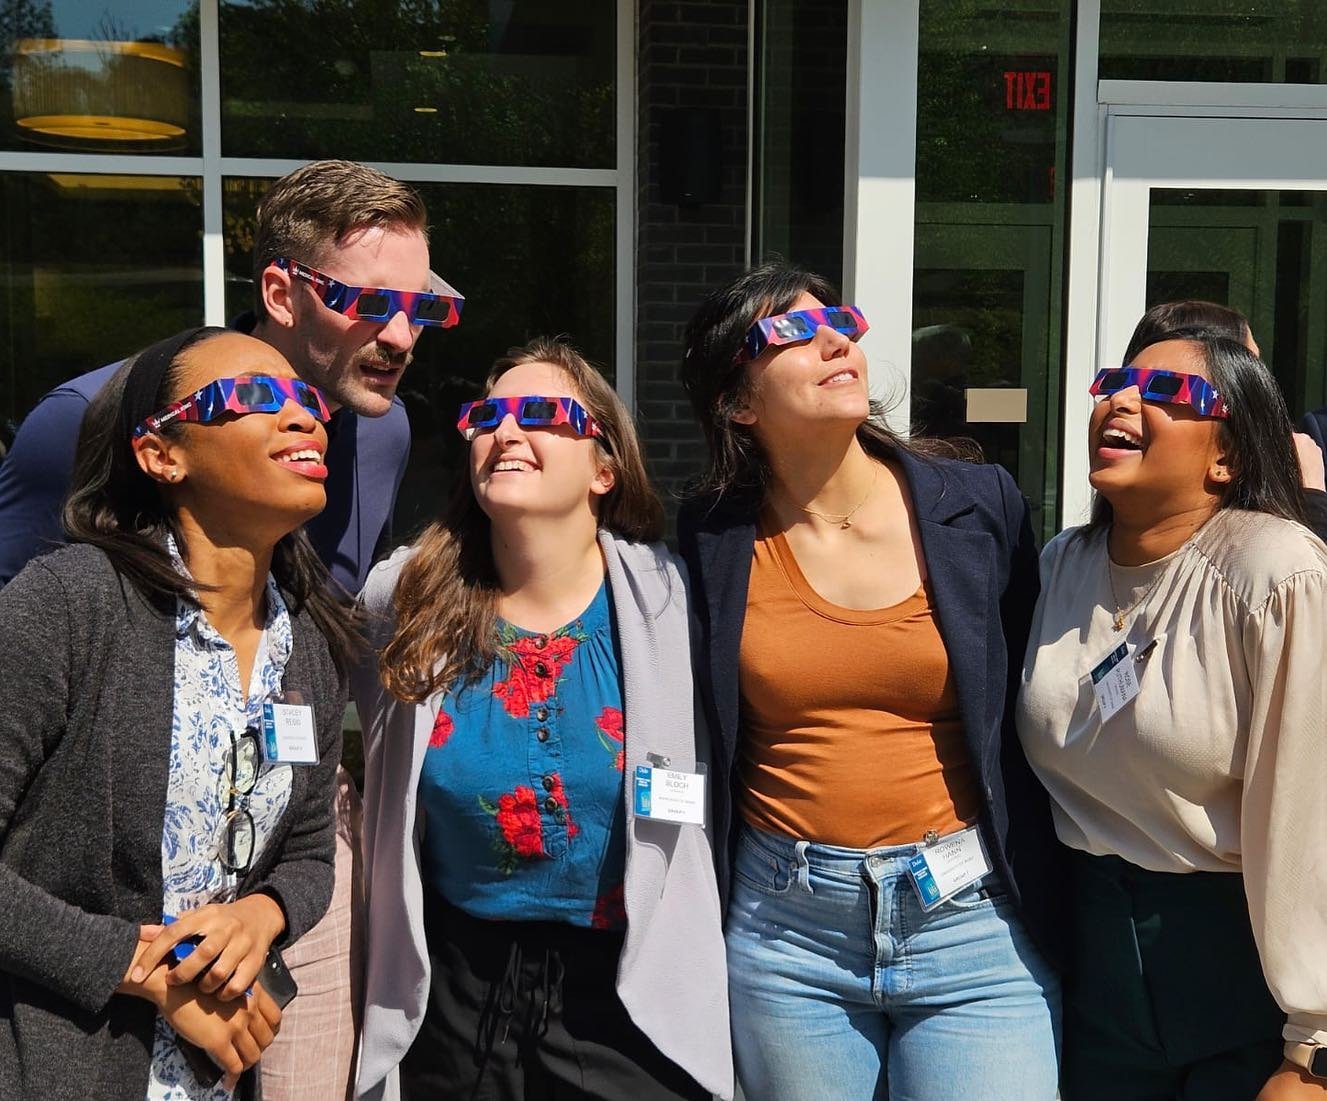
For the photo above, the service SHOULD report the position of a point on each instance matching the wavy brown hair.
(446, 597)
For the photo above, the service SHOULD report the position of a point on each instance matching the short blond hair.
(311, 210)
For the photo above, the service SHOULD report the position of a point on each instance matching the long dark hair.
(446, 597)
(719, 386)
(113, 505)
(1256, 434)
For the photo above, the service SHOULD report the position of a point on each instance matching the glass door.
(1232, 210)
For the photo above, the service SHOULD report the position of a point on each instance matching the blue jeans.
(842, 989)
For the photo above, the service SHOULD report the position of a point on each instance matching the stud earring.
(174, 475)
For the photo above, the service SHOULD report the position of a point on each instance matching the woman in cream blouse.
(1175, 706)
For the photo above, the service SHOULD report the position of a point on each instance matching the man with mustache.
(323, 232)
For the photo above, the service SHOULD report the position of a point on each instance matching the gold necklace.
(845, 521)
(1120, 613)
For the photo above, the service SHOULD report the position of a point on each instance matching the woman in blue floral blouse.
(532, 930)
(135, 789)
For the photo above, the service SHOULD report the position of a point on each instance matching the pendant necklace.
(845, 521)
(1120, 612)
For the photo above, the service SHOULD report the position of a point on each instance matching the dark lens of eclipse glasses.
(539, 410)
(1163, 386)
(1114, 380)
(373, 304)
(254, 393)
(432, 309)
(482, 414)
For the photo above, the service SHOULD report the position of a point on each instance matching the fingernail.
(136, 974)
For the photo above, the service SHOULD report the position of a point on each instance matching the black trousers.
(527, 1011)
(1164, 997)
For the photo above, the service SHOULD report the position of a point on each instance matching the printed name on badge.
(667, 795)
(1114, 681)
(943, 869)
(289, 735)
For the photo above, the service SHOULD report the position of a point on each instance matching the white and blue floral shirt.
(210, 706)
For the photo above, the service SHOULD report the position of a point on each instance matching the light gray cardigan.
(672, 976)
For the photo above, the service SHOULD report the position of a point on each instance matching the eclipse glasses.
(1171, 387)
(440, 305)
(240, 395)
(789, 328)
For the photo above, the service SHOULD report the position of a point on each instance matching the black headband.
(142, 388)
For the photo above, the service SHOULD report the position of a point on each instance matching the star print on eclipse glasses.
(439, 305)
(789, 328)
(240, 395)
(1171, 387)
(530, 412)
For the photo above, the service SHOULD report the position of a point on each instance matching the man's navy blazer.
(981, 563)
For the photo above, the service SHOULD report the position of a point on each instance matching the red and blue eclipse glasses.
(530, 412)
(789, 328)
(440, 305)
(241, 395)
(1171, 387)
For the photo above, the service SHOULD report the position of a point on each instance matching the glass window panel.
(992, 116)
(1266, 257)
(93, 268)
(800, 132)
(530, 261)
(1227, 41)
(116, 76)
(465, 82)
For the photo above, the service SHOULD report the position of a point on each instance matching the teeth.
(307, 455)
(513, 464)
(1122, 435)
(842, 376)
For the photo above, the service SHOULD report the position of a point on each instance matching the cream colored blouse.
(1220, 762)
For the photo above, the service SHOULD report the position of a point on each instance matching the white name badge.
(943, 869)
(1114, 681)
(667, 795)
(289, 736)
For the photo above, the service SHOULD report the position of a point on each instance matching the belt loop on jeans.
(803, 867)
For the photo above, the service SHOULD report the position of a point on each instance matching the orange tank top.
(850, 728)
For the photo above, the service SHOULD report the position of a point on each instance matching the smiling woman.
(499, 715)
(861, 602)
(186, 604)
(1173, 704)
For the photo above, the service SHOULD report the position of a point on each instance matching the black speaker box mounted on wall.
(689, 156)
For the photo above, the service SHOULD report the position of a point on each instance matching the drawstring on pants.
(507, 998)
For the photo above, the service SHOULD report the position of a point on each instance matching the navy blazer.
(981, 562)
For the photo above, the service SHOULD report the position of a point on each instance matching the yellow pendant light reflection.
(76, 89)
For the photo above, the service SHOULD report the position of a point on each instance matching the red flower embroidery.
(524, 684)
(521, 830)
(442, 730)
(610, 910)
(611, 733)
(563, 814)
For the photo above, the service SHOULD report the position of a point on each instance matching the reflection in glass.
(93, 268)
(108, 77)
(462, 82)
(992, 117)
(1267, 258)
(800, 112)
(1233, 41)
(549, 270)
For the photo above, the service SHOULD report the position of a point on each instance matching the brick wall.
(691, 54)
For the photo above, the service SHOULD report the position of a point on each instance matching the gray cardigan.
(672, 976)
(86, 703)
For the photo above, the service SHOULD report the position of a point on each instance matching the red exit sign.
(1024, 91)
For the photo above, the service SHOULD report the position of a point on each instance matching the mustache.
(377, 356)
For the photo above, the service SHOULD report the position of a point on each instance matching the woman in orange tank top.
(886, 856)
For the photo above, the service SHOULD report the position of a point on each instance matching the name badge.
(1114, 681)
(944, 868)
(289, 736)
(667, 795)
